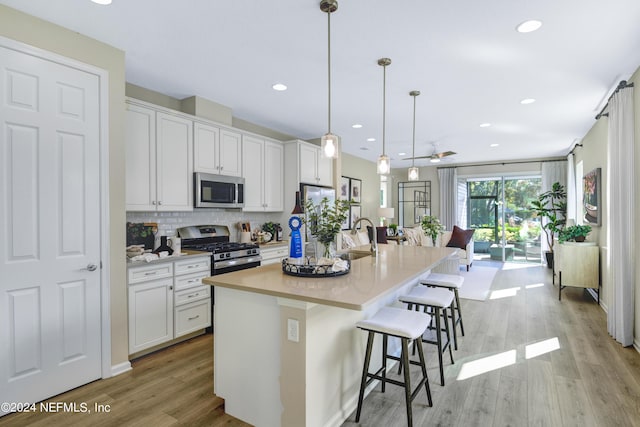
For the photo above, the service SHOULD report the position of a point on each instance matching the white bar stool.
(403, 324)
(438, 301)
(453, 283)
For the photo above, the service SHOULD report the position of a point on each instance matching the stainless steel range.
(226, 256)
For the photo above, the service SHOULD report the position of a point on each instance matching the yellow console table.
(577, 265)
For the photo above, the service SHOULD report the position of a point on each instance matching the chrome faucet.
(373, 239)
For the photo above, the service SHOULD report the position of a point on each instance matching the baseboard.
(120, 368)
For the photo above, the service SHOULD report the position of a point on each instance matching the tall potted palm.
(551, 208)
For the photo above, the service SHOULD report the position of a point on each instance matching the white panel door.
(308, 163)
(205, 148)
(50, 334)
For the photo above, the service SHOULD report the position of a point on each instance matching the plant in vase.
(551, 208)
(575, 233)
(394, 229)
(432, 227)
(324, 221)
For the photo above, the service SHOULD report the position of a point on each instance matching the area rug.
(477, 282)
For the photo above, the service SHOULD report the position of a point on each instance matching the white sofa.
(416, 236)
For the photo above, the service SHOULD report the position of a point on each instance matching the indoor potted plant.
(551, 208)
(432, 226)
(574, 233)
(324, 221)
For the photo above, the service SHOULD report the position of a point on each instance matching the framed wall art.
(345, 189)
(356, 190)
(591, 202)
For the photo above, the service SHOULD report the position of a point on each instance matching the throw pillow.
(460, 238)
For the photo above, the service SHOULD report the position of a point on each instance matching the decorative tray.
(312, 270)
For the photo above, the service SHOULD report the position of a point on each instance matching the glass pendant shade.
(384, 165)
(330, 145)
(414, 175)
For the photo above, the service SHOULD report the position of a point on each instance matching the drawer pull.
(194, 317)
(193, 281)
(193, 295)
(151, 273)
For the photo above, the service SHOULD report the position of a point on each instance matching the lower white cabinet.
(273, 255)
(168, 300)
(150, 314)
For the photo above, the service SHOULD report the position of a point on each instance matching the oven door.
(229, 265)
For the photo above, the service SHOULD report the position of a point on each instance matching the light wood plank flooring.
(581, 377)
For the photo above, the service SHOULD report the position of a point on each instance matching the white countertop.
(370, 277)
(185, 254)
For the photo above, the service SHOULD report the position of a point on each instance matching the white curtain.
(552, 172)
(572, 200)
(448, 197)
(621, 165)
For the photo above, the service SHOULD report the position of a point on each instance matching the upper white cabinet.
(159, 160)
(216, 151)
(262, 163)
(313, 167)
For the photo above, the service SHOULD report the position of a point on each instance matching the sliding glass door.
(498, 208)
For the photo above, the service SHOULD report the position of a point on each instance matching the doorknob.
(91, 267)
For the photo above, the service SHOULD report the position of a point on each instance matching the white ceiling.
(465, 57)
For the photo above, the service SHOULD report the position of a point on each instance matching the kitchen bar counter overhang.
(286, 349)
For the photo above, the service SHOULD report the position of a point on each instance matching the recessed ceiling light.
(371, 139)
(494, 145)
(402, 154)
(279, 87)
(435, 160)
(102, 2)
(356, 126)
(485, 125)
(527, 101)
(529, 26)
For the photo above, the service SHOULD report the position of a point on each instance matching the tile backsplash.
(168, 222)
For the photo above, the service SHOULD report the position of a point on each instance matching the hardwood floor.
(537, 362)
(527, 360)
(168, 388)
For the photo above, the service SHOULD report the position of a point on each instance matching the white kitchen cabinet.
(150, 312)
(159, 160)
(216, 151)
(273, 254)
(262, 163)
(313, 167)
(167, 300)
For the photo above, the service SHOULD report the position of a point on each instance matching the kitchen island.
(286, 349)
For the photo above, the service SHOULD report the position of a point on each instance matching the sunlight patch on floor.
(518, 266)
(507, 358)
(504, 293)
(487, 364)
(542, 347)
(535, 285)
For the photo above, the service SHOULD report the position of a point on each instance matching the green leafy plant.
(270, 227)
(324, 221)
(551, 208)
(432, 227)
(575, 233)
(394, 228)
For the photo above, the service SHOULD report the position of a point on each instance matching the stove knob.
(228, 255)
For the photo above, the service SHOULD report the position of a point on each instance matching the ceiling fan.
(435, 156)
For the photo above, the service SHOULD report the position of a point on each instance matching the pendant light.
(384, 165)
(329, 142)
(414, 174)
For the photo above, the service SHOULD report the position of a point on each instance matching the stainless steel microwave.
(218, 191)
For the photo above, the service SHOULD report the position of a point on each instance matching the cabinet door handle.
(159, 202)
(170, 288)
(221, 167)
(153, 202)
(194, 317)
